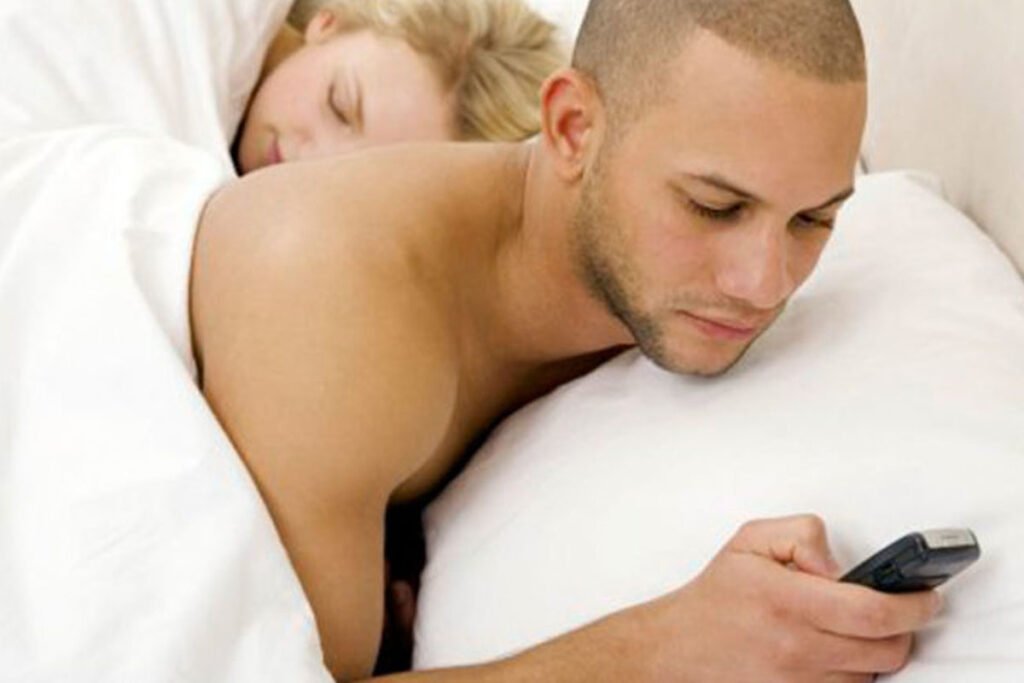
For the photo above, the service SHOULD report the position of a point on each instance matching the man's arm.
(617, 648)
(333, 387)
(766, 608)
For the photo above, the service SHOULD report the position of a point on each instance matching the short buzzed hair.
(623, 43)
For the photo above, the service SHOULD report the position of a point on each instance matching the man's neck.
(537, 312)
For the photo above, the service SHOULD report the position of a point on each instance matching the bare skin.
(359, 322)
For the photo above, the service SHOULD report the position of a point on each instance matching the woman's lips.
(721, 329)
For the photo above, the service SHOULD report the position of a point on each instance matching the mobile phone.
(918, 561)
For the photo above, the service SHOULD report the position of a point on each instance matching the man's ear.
(572, 115)
(322, 27)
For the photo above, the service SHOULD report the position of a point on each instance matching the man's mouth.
(723, 329)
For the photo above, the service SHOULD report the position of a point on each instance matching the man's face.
(699, 222)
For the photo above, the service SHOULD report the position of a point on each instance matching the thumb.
(800, 541)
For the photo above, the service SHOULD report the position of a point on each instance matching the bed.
(134, 546)
(889, 398)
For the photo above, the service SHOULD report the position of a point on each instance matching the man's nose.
(754, 267)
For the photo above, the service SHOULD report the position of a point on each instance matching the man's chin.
(710, 363)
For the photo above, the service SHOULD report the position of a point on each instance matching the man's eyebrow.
(839, 198)
(721, 183)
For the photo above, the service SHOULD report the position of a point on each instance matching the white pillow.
(568, 14)
(974, 141)
(889, 398)
(180, 67)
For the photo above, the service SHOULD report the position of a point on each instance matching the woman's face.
(340, 92)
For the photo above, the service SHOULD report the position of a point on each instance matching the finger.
(862, 656)
(800, 540)
(856, 611)
(404, 600)
(849, 678)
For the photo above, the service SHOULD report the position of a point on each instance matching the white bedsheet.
(133, 545)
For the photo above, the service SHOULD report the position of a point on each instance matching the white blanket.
(133, 545)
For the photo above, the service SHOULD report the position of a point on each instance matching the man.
(359, 322)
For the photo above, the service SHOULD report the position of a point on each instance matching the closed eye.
(724, 215)
(335, 109)
(814, 222)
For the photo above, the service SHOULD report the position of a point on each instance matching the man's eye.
(724, 215)
(814, 222)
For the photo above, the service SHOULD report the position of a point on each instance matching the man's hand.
(399, 619)
(768, 608)
(405, 556)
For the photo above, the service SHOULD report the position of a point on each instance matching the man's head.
(711, 143)
(371, 72)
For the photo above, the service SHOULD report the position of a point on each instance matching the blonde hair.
(494, 55)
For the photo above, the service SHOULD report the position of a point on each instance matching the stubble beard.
(602, 262)
(603, 267)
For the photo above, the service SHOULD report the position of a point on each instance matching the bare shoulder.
(329, 359)
(322, 354)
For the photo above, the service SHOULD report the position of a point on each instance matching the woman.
(371, 72)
